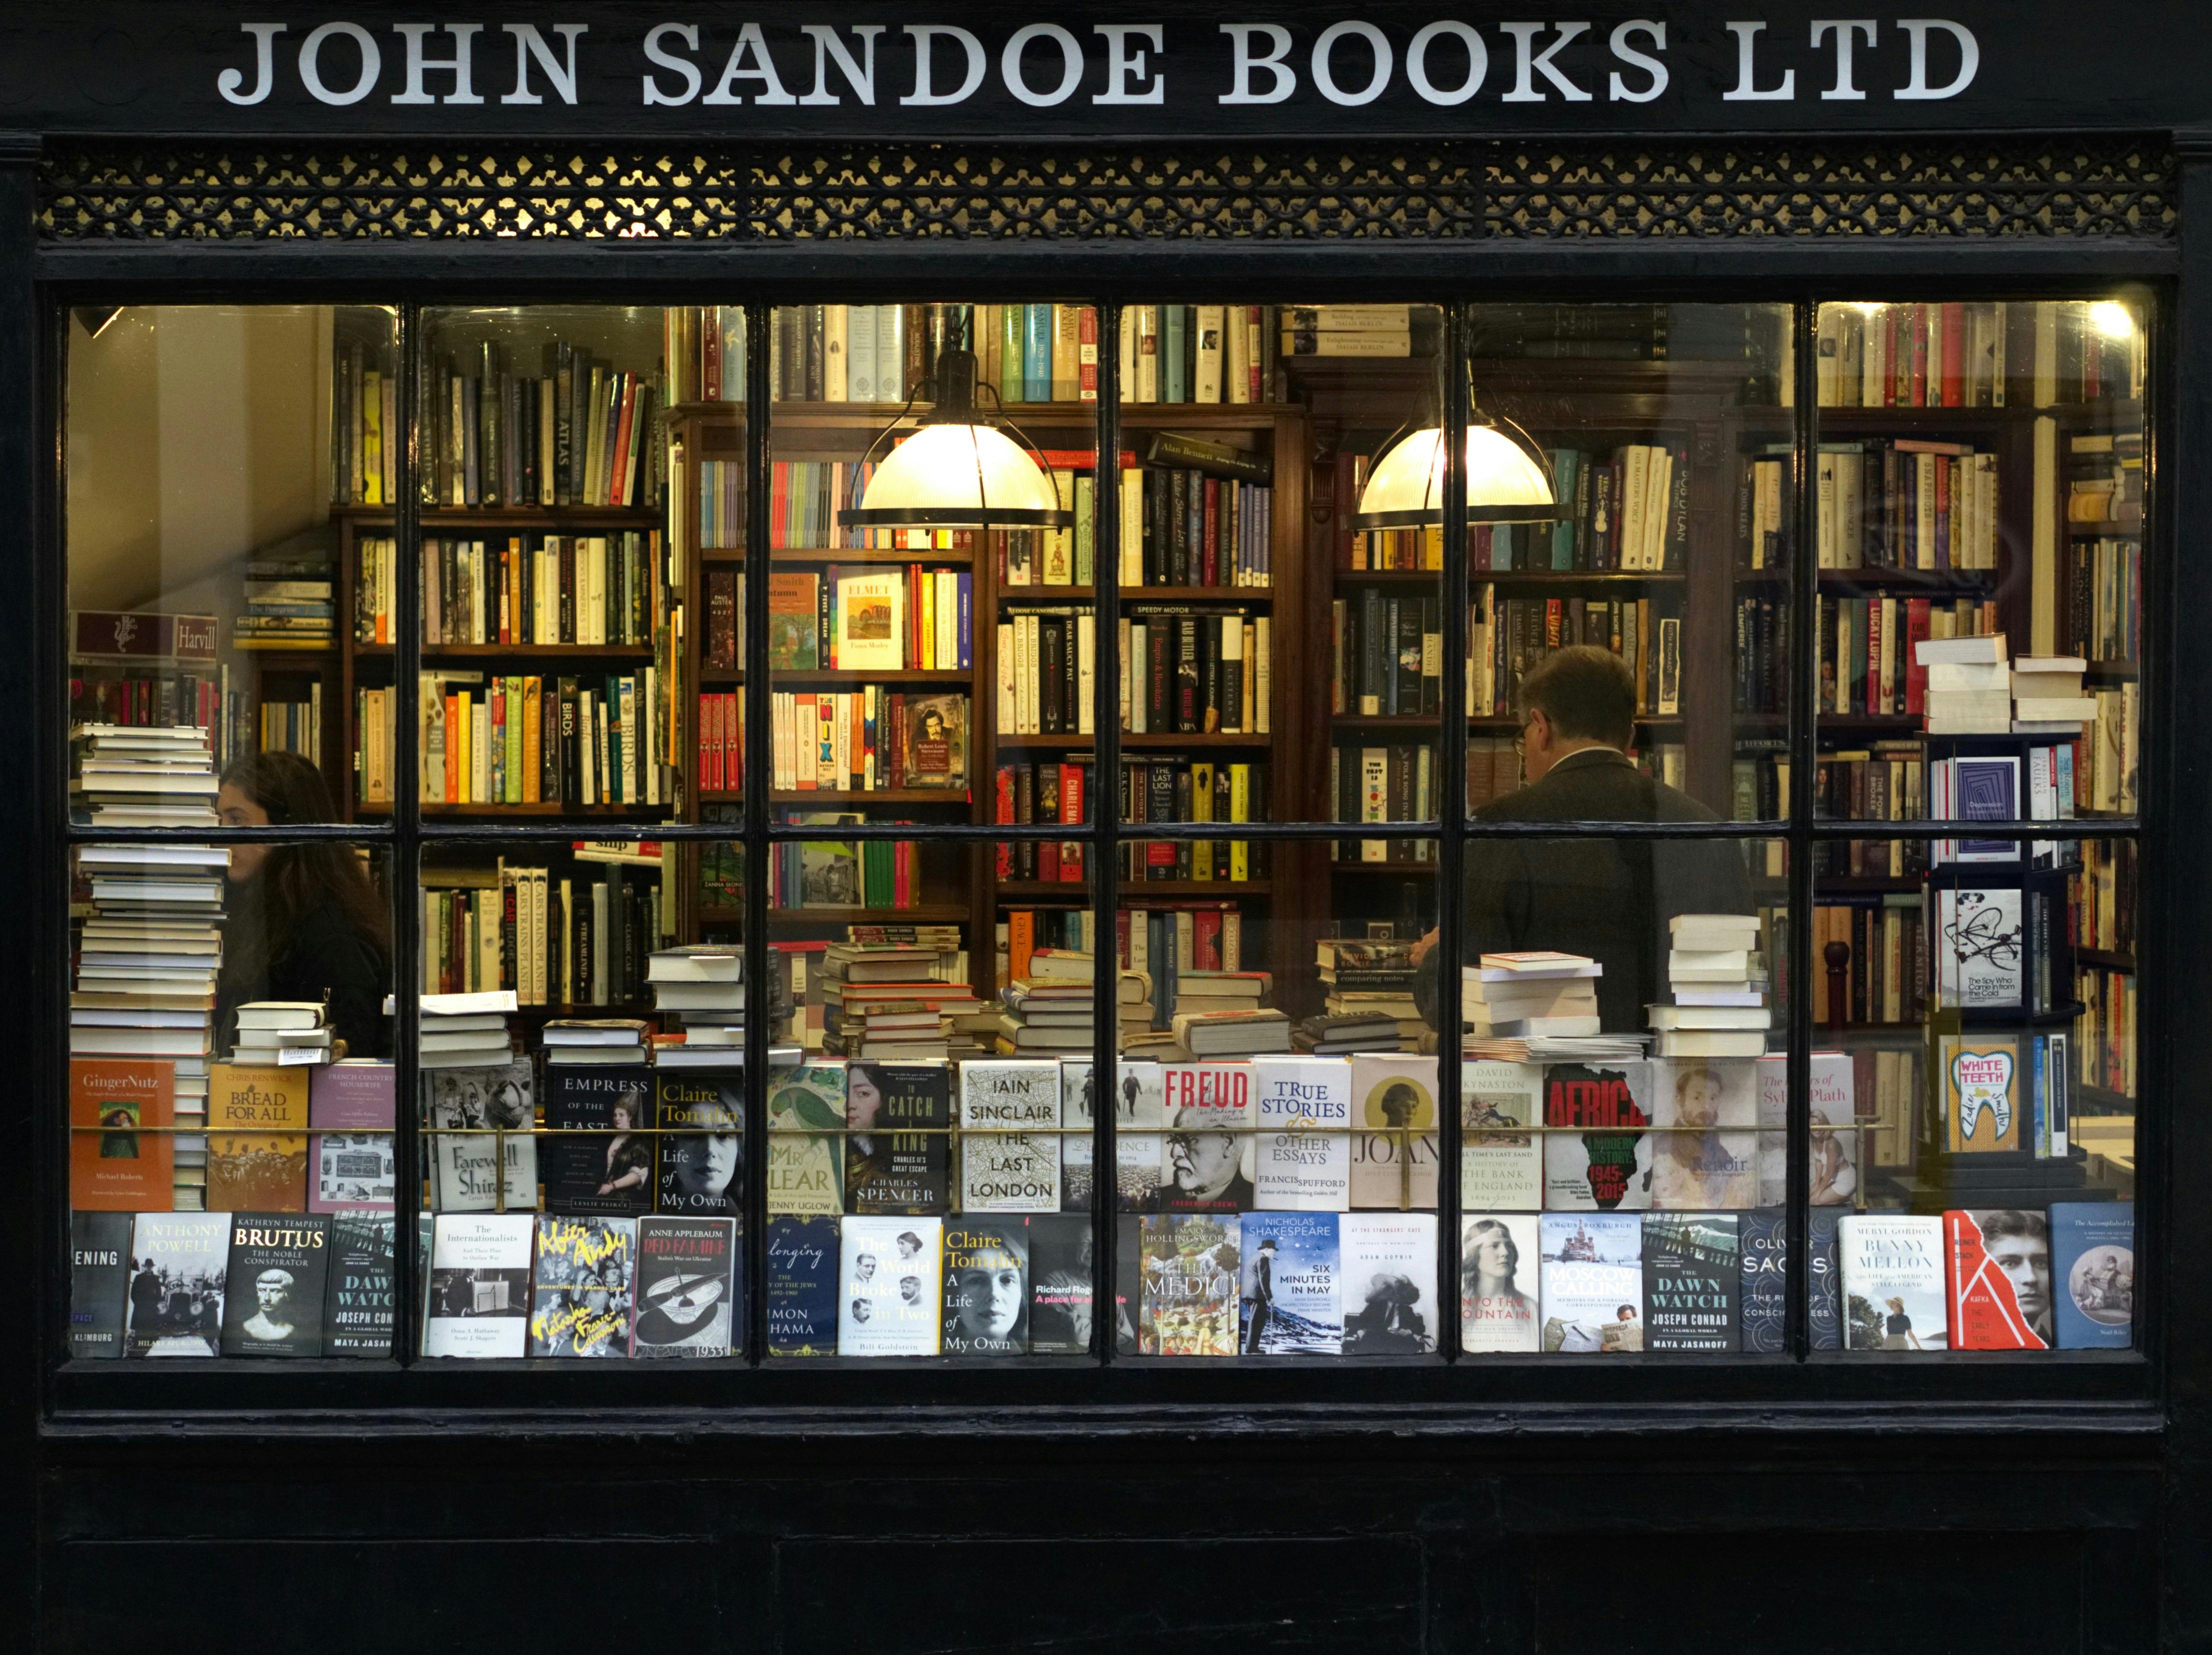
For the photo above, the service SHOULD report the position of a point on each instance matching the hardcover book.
(1694, 1166)
(1597, 1155)
(179, 1270)
(483, 1150)
(279, 1271)
(1982, 1093)
(1998, 1267)
(700, 1152)
(1824, 1282)
(987, 1287)
(890, 1299)
(257, 1154)
(1762, 1281)
(1140, 1154)
(802, 1286)
(114, 1167)
(1009, 1139)
(1394, 1146)
(1209, 1148)
(1500, 1266)
(478, 1298)
(898, 1160)
(100, 1281)
(581, 1303)
(1978, 948)
(2093, 1247)
(1835, 1153)
(1061, 1282)
(1593, 1283)
(1387, 1283)
(1892, 1281)
(1304, 1108)
(360, 1308)
(1291, 1305)
(690, 1301)
(1693, 1281)
(806, 1157)
(1078, 1144)
(1187, 1276)
(351, 1172)
(937, 741)
(596, 1155)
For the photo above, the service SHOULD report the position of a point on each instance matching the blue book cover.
(1036, 353)
(2092, 1256)
(1501, 543)
(1290, 1304)
(1823, 1280)
(802, 1286)
(1565, 464)
(1174, 353)
(1763, 1305)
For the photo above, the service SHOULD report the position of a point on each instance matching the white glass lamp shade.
(959, 476)
(1504, 483)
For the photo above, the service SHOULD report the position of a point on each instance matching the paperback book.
(1304, 1108)
(1393, 1149)
(1500, 1264)
(1982, 1093)
(2093, 1247)
(1762, 1288)
(987, 1287)
(1208, 1145)
(898, 1160)
(1501, 1158)
(1696, 1167)
(1062, 1281)
(1691, 1281)
(699, 1153)
(1010, 1113)
(1289, 1306)
(580, 1306)
(890, 1301)
(1386, 1276)
(802, 1285)
(279, 1268)
(691, 1302)
(1892, 1281)
(100, 1281)
(360, 1310)
(122, 1158)
(1593, 1283)
(350, 1157)
(1998, 1262)
(1188, 1272)
(483, 1154)
(1597, 1154)
(596, 1155)
(478, 1298)
(805, 1156)
(177, 1278)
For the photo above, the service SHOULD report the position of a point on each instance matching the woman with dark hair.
(301, 921)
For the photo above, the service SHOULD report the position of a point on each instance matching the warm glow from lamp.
(1504, 483)
(956, 472)
(2113, 320)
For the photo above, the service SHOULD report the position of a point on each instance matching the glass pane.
(1665, 436)
(1624, 1106)
(1974, 1112)
(554, 674)
(231, 1163)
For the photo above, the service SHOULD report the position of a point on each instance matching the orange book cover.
(2000, 1278)
(1021, 938)
(452, 749)
(618, 489)
(114, 1168)
(257, 1143)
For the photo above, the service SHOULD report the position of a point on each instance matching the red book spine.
(1955, 355)
(779, 489)
(1071, 815)
(1086, 345)
(1213, 531)
(618, 490)
(1002, 810)
(710, 353)
(1206, 940)
(1121, 937)
(898, 742)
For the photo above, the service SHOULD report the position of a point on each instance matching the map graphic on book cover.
(898, 1160)
(689, 1300)
(1289, 1305)
(279, 1268)
(596, 1154)
(1762, 1287)
(580, 1306)
(1304, 1112)
(478, 1302)
(1982, 1093)
(100, 1278)
(1004, 1169)
(987, 1287)
(1892, 1281)
(1387, 1283)
(482, 1122)
(180, 1268)
(1500, 1266)
(1695, 1168)
(890, 1297)
(113, 1167)
(805, 1116)
(360, 1308)
(1187, 1304)
(1593, 1283)
(802, 1286)
(936, 741)
(1393, 1147)
(1998, 1263)
(701, 1148)
(2093, 1247)
(1062, 1281)
(1691, 1281)
(1602, 1160)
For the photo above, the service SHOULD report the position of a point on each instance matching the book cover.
(1387, 1283)
(180, 1268)
(690, 1290)
(1979, 949)
(1209, 1144)
(1982, 1093)
(1998, 1267)
(360, 1307)
(1140, 1153)
(1394, 1146)
(580, 1300)
(1695, 1167)
(898, 1158)
(1289, 1306)
(1824, 1282)
(1597, 1155)
(1835, 1153)
(1592, 1284)
(354, 1095)
(595, 1155)
(279, 1270)
(793, 624)
(805, 1155)
(1186, 1300)
(1128, 1281)
(1061, 1282)
(871, 613)
(483, 1151)
(1762, 1284)
(937, 741)
(350, 1171)
(477, 1302)
(100, 1281)
(1304, 1112)
(1893, 1296)
(1692, 1270)
(114, 1166)
(802, 1285)
(1500, 1266)
(890, 1296)
(1079, 1143)
(263, 1170)
(986, 1272)
(2093, 1245)
(700, 1151)
(1009, 1135)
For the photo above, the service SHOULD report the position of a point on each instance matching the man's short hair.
(1588, 694)
(2010, 1222)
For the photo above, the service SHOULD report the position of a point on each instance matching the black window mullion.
(1105, 828)
(1451, 769)
(758, 755)
(404, 866)
(1804, 591)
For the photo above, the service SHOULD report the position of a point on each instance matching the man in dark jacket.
(1610, 898)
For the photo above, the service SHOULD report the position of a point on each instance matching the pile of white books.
(1539, 1006)
(1719, 978)
(466, 1031)
(281, 1032)
(135, 776)
(570, 1041)
(2047, 696)
(1969, 684)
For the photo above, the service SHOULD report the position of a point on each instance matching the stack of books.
(149, 954)
(142, 775)
(465, 1031)
(1336, 1034)
(287, 605)
(572, 1041)
(1539, 1006)
(1370, 978)
(2047, 696)
(893, 1001)
(1052, 1010)
(702, 985)
(1226, 1014)
(1969, 684)
(1718, 1003)
(1349, 330)
(281, 1032)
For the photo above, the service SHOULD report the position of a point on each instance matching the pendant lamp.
(1507, 480)
(957, 471)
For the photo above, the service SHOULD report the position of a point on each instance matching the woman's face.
(862, 1100)
(233, 808)
(1493, 1255)
(625, 1116)
(991, 1301)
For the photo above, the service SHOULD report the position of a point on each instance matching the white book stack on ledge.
(1719, 980)
(1969, 684)
(1538, 1006)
